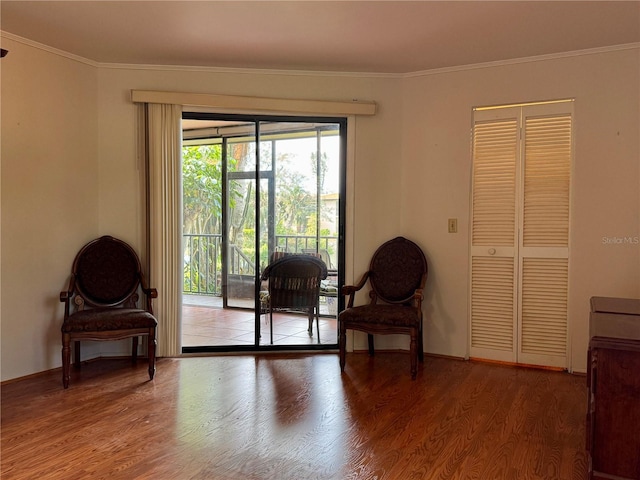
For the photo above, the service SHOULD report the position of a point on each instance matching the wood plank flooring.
(296, 417)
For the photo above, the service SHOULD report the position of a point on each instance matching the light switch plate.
(453, 225)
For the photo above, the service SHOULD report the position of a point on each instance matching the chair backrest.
(107, 273)
(294, 281)
(397, 269)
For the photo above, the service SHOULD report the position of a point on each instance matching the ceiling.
(386, 37)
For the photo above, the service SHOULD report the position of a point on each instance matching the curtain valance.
(254, 104)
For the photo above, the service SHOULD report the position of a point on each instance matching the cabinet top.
(621, 306)
(615, 318)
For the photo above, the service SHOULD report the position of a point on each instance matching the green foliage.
(323, 167)
(202, 191)
(202, 267)
(295, 206)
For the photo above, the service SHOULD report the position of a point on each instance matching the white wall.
(377, 145)
(73, 125)
(49, 197)
(605, 184)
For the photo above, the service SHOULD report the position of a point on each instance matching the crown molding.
(190, 68)
(255, 71)
(517, 61)
(247, 71)
(47, 48)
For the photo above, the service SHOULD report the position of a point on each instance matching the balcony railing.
(202, 262)
(203, 259)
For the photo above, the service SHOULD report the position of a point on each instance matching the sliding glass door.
(257, 188)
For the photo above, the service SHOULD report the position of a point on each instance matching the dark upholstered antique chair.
(105, 279)
(397, 275)
(294, 284)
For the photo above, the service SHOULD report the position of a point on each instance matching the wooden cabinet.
(613, 379)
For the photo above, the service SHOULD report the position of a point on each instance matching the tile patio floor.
(206, 323)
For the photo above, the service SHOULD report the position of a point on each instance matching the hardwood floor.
(296, 417)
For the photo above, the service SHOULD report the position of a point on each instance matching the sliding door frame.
(257, 178)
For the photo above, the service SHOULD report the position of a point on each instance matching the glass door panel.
(272, 188)
(241, 244)
(305, 165)
(240, 221)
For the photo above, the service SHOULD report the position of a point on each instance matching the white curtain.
(164, 132)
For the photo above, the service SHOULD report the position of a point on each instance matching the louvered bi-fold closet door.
(544, 244)
(520, 233)
(494, 235)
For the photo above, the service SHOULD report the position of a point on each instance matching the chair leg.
(76, 355)
(310, 328)
(370, 340)
(420, 346)
(318, 322)
(134, 350)
(413, 352)
(66, 360)
(342, 346)
(151, 353)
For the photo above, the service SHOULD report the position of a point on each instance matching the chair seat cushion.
(105, 319)
(384, 314)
